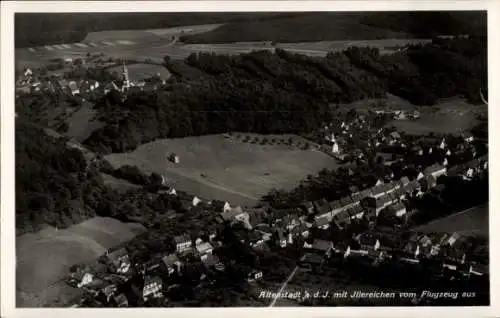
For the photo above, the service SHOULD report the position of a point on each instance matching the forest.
(283, 92)
(53, 185)
(336, 26)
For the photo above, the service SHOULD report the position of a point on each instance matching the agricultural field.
(215, 167)
(154, 44)
(44, 258)
(141, 71)
(450, 117)
(473, 222)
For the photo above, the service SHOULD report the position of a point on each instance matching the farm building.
(152, 288)
(119, 260)
(171, 263)
(173, 158)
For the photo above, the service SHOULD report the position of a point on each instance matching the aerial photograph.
(251, 159)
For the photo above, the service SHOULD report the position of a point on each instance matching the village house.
(400, 194)
(290, 221)
(321, 206)
(254, 275)
(430, 181)
(213, 262)
(204, 249)
(119, 261)
(152, 288)
(397, 210)
(347, 202)
(322, 247)
(81, 278)
(182, 243)
(105, 294)
(343, 219)
(373, 206)
(335, 207)
(468, 137)
(311, 262)
(322, 221)
(301, 230)
(281, 240)
(171, 264)
(368, 242)
(478, 269)
(308, 207)
(356, 212)
(74, 89)
(435, 170)
(120, 301)
(195, 201)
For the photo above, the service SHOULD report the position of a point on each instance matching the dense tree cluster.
(332, 26)
(53, 185)
(423, 74)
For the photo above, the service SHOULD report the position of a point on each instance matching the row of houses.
(383, 195)
(451, 249)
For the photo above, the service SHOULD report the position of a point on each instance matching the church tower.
(125, 78)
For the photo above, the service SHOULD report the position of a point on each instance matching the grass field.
(452, 117)
(232, 170)
(82, 123)
(118, 184)
(472, 222)
(141, 71)
(43, 258)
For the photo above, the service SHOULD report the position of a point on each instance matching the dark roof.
(322, 221)
(308, 204)
(311, 258)
(319, 203)
(152, 280)
(356, 196)
(121, 299)
(397, 207)
(322, 245)
(382, 200)
(358, 209)
(367, 239)
(404, 180)
(170, 259)
(378, 189)
(116, 255)
(345, 201)
(335, 205)
(323, 207)
(434, 168)
(182, 239)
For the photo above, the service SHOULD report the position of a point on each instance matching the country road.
(273, 302)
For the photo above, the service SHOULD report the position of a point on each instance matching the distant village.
(60, 79)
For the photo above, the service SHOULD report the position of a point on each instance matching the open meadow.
(44, 258)
(215, 167)
(473, 222)
(449, 117)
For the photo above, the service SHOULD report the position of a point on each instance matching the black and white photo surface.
(251, 159)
